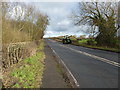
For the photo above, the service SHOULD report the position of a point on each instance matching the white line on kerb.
(67, 68)
(94, 56)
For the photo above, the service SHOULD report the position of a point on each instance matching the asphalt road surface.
(91, 68)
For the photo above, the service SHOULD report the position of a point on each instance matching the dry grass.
(11, 34)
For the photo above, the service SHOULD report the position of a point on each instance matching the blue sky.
(60, 21)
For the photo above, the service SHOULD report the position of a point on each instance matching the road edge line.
(70, 76)
(94, 56)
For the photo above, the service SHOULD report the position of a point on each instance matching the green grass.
(83, 41)
(98, 47)
(41, 47)
(29, 75)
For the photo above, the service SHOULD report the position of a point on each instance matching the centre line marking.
(94, 56)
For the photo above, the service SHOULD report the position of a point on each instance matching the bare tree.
(21, 22)
(102, 15)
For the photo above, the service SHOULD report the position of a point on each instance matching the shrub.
(91, 42)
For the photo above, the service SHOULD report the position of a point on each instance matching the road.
(91, 68)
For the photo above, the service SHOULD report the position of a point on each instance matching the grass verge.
(29, 75)
(28, 72)
(117, 50)
(98, 47)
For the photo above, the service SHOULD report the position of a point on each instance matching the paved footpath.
(52, 77)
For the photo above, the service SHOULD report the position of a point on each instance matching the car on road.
(66, 40)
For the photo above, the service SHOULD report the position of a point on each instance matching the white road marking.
(77, 84)
(94, 56)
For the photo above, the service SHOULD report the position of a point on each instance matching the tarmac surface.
(88, 70)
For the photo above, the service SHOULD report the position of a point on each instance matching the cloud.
(60, 23)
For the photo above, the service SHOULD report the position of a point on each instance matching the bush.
(12, 35)
(27, 26)
(83, 41)
(91, 42)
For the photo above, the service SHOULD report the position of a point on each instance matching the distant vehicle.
(66, 40)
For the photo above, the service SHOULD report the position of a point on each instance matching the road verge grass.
(28, 72)
(117, 50)
(83, 44)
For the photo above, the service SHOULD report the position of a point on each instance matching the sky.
(59, 14)
(60, 22)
